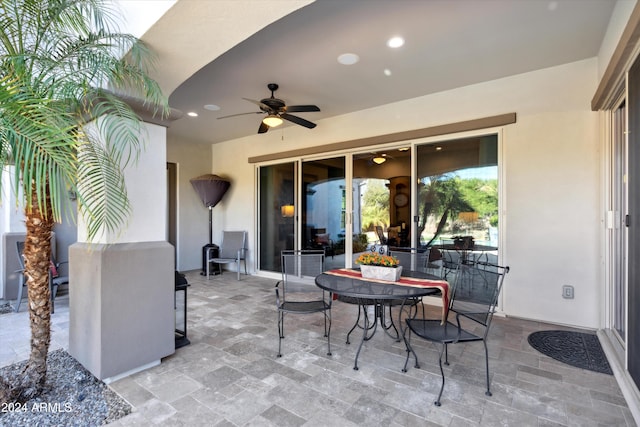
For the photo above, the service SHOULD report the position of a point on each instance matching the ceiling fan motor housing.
(275, 105)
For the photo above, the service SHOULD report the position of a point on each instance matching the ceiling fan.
(276, 110)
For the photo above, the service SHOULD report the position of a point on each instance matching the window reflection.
(458, 191)
(455, 190)
(323, 208)
(277, 210)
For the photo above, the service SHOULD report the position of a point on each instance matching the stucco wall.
(193, 217)
(551, 211)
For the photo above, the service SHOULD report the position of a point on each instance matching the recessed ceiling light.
(192, 114)
(211, 107)
(395, 42)
(438, 148)
(348, 58)
(387, 72)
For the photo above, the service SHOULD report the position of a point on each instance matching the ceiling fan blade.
(263, 107)
(301, 108)
(241, 114)
(298, 120)
(263, 128)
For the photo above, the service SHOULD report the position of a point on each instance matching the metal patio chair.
(297, 293)
(232, 251)
(55, 279)
(471, 306)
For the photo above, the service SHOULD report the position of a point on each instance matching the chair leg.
(280, 332)
(327, 331)
(486, 359)
(20, 289)
(442, 350)
(54, 291)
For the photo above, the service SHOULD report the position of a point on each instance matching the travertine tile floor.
(230, 375)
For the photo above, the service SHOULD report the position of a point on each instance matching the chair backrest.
(20, 249)
(52, 263)
(476, 291)
(415, 259)
(232, 242)
(450, 258)
(380, 234)
(300, 267)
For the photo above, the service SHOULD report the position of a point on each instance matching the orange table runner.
(442, 285)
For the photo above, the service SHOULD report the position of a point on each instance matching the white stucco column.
(121, 293)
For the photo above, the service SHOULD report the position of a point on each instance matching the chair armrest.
(242, 253)
(57, 266)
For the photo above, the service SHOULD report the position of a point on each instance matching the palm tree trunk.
(37, 254)
(37, 250)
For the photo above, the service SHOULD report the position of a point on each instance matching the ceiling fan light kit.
(272, 121)
(277, 111)
(378, 160)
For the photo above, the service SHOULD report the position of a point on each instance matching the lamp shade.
(378, 160)
(287, 211)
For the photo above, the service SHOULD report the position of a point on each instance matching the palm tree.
(62, 63)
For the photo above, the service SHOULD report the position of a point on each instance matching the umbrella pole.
(210, 225)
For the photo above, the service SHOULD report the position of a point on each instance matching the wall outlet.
(567, 291)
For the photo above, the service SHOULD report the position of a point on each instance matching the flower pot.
(391, 274)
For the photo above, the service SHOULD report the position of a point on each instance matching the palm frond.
(102, 194)
(63, 62)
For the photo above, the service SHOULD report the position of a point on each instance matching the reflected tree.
(375, 205)
(441, 195)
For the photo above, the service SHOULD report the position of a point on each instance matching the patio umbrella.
(211, 189)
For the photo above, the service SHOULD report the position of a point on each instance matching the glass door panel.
(457, 195)
(620, 199)
(381, 199)
(323, 208)
(276, 213)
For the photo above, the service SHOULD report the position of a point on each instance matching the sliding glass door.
(276, 210)
(323, 204)
(620, 223)
(323, 208)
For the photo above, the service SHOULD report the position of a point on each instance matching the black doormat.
(573, 348)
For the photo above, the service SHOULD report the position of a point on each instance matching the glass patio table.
(412, 286)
